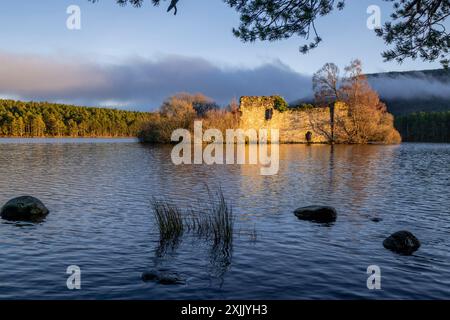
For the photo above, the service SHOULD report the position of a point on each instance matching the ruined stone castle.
(294, 125)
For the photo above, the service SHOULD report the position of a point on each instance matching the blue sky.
(118, 38)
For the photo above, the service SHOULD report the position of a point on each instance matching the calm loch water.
(99, 193)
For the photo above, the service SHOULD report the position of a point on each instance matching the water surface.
(99, 193)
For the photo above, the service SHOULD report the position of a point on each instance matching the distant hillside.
(408, 106)
(410, 91)
(442, 75)
(413, 91)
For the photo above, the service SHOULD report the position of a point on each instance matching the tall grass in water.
(222, 221)
(212, 220)
(169, 219)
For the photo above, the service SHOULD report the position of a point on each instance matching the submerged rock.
(24, 208)
(322, 214)
(162, 277)
(403, 242)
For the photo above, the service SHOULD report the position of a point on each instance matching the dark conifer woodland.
(43, 119)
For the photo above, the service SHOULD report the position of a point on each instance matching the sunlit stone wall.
(292, 124)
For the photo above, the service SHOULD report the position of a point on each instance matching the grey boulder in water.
(403, 242)
(162, 277)
(24, 208)
(323, 214)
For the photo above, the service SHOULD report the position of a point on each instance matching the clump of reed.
(212, 220)
(169, 219)
(222, 221)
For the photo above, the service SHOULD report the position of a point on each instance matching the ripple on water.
(99, 193)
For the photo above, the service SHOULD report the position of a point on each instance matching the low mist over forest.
(413, 91)
(420, 102)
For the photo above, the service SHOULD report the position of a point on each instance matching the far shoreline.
(69, 137)
(174, 143)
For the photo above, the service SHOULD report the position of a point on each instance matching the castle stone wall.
(292, 124)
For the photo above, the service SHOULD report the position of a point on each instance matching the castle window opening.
(269, 114)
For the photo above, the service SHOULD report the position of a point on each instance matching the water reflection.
(323, 171)
(210, 222)
(220, 258)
